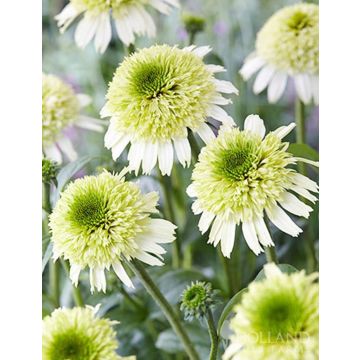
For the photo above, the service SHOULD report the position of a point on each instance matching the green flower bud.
(49, 171)
(193, 23)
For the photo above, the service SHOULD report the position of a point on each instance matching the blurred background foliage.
(231, 27)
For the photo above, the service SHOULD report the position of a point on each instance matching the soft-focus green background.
(231, 27)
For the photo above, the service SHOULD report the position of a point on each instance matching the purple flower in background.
(220, 28)
(182, 34)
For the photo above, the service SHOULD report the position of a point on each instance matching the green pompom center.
(194, 296)
(299, 21)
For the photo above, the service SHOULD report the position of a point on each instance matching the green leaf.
(304, 150)
(285, 268)
(47, 256)
(69, 170)
(229, 308)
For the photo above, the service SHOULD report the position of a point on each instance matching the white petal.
(89, 123)
(119, 147)
(83, 99)
(67, 147)
(150, 201)
(220, 114)
(233, 349)
(215, 68)
(103, 33)
(148, 244)
(205, 133)
(263, 232)
(86, 29)
(251, 238)
(124, 30)
(166, 157)
(227, 238)
(271, 270)
(196, 207)
(148, 259)
(282, 131)
(215, 233)
(161, 5)
(303, 87)
(150, 157)
(142, 22)
(162, 230)
(135, 156)
(220, 100)
(255, 124)
(183, 151)
(66, 17)
(97, 279)
(189, 48)
(305, 182)
(122, 275)
(292, 204)
(205, 221)
(112, 136)
(105, 111)
(251, 65)
(225, 87)
(191, 190)
(201, 51)
(282, 221)
(74, 273)
(307, 161)
(53, 153)
(277, 86)
(304, 193)
(315, 88)
(263, 78)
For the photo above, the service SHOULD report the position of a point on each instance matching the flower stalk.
(168, 311)
(213, 335)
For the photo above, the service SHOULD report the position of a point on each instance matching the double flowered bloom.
(287, 46)
(100, 221)
(156, 95)
(130, 17)
(60, 109)
(252, 172)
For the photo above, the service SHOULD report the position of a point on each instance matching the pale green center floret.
(76, 334)
(60, 107)
(99, 6)
(290, 39)
(98, 218)
(159, 92)
(251, 173)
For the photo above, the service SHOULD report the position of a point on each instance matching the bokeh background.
(231, 27)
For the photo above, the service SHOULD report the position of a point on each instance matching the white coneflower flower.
(101, 220)
(242, 174)
(277, 319)
(287, 46)
(157, 95)
(77, 334)
(60, 109)
(130, 19)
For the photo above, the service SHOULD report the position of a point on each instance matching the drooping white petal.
(150, 157)
(119, 147)
(196, 207)
(251, 238)
(201, 51)
(252, 64)
(150, 201)
(233, 349)
(162, 5)
(215, 68)
(263, 232)
(205, 133)
(83, 99)
(67, 148)
(303, 87)
(307, 161)
(205, 221)
(148, 259)
(304, 193)
(148, 244)
(227, 238)
(255, 124)
(271, 270)
(215, 233)
(86, 29)
(68, 14)
(135, 155)
(97, 279)
(105, 111)
(103, 33)
(112, 136)
(89, 123)
(162, 230)
(53, 153)
(282, 131)
(220, 100)
(220, 114)
(124, 30)
(277, 86)
(225, 87)
(191, 190)
(295, 206)
(122, 275)
(282, 221)
(315, 88)
(183, 151)
(166, 157)
(189, 48)
(263, 78)
(144, 24)
(305, 182)
(74, 273)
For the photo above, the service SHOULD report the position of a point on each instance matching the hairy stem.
(168, 311)
(270, 253)
(195, 149)
(227, 271)
(78, 299)
(213, 335)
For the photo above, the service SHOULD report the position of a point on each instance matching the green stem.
(195, 149)
(46, 205)
(168, 311)
(192, 38)
(213, 336)
(170, 215)
(78, 299)
(130, 49)
(227, 271)
(270, 253)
